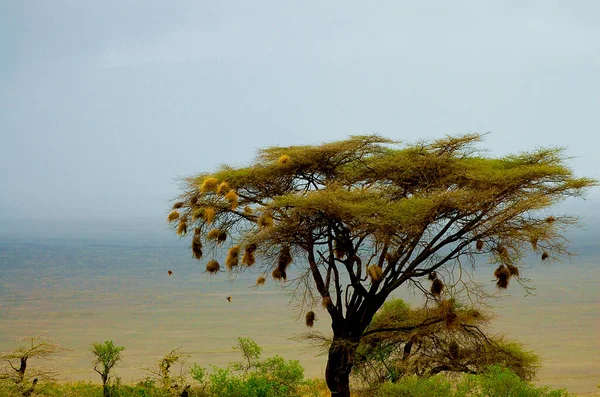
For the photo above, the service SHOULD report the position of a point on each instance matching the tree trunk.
(339, 364)
(105, 390)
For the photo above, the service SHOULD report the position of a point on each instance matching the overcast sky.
(103, 104)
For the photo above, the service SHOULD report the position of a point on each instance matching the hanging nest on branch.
(284, 160)
(265, 220)
(279, 274)
(375, 272)
(209, 185)
(178, 205)
(193, 200)
(437, 286)
(479, 245)
(182, 227)
(432, 276)
(326, 302)
(248, 258)
(209, 215)
(213, 234)
(284, 259)
(223, 188)
(550, 219)
(502, 275)
(232, 257)
(197, 247)
(198, 214)
(310, 319)
(232, 197)
(545, 255)
(173, 216)
(513, 270)
(213, 266)
(260, 280)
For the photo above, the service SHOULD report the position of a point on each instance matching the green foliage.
(251, 352)
(496, 382)
(272, 377)
(107, 355)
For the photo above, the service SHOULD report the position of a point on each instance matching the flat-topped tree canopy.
(367, 214)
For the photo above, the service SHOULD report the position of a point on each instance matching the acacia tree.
(363, 216)
(106, 356)
(19, 372)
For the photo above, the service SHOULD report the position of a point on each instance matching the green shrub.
(496, 382)
(272, 377)
(502, 382)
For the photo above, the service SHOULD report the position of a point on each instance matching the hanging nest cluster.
(284, 259)
(248, 257)
(375, 273)
(506, 270)
(437, 286)
(310, 319)
(213, 266)
(232, 257)
(197, 246)
(503, 274)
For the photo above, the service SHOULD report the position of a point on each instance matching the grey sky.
(104, 104)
